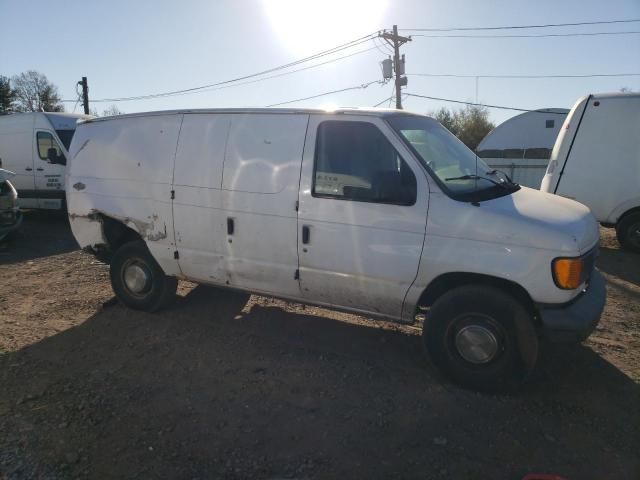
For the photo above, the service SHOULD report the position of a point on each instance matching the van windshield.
(458, 170)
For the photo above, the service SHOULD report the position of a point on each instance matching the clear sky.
(128, 48)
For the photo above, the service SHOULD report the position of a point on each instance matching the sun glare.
(308, 26)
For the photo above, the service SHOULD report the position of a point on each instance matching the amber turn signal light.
(567, 272)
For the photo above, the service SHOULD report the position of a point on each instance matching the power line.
(356, 87)
(279, 74)
(330, 51)
(385, 50)
(513, 27)
(501, 107)
(238, 84)
(388, 99)
(591, 75)
(383, 101)
(542, 35)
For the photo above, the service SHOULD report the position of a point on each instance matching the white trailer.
(35, 147)
(596, 161)
(522, 145)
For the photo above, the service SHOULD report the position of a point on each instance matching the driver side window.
(46, 141)
(355, 161)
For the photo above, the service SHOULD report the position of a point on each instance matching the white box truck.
(35, 147)
(596, 161)
(378, 212)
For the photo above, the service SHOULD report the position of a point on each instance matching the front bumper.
(575, 321)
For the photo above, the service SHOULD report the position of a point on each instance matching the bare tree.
(112, 111)
(7, 96)
(446, 118)
(34, 93)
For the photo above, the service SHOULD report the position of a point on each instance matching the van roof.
(615, 95)
(49, 114)
(379, 112)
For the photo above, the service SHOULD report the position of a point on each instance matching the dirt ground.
(224, 385)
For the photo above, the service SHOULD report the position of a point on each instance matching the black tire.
(156, 291)
(465, 314)
(628, 232)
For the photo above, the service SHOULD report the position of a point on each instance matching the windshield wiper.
(476, 177)
(495, 171)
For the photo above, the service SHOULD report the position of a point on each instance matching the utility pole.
(85, 94)
(396, 41)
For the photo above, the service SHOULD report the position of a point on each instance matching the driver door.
(362, 216)
(49, 177)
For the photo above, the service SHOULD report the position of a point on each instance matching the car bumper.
(577, 320)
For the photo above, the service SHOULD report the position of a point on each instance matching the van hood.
(542, 220)
(524, 218)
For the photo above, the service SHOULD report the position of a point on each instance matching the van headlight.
(568, 273)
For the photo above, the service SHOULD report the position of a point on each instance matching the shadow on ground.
(216, 388)
(622, 264)
(42, 233)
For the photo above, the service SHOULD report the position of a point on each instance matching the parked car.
(10, 215)
(35, 146)
(596, 161)
(377, 212)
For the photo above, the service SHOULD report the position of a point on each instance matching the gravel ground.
(226, 385)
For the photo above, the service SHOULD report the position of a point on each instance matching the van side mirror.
(52, 156)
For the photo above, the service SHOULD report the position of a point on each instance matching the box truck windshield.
(457, 169)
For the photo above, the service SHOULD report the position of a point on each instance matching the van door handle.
(306, 233)
(230, 226)
(28, 169)
(40, 169)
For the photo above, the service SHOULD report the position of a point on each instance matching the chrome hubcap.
(136, 278)
(476, 344)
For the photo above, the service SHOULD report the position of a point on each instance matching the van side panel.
(606, 152)
(123, 168)
(198, 217)
(16, 138)
(260, 189)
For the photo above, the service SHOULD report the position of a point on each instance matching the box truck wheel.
(628, 232)
(137, 279)
(473, 333)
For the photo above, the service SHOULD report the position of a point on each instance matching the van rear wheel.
(138, 281)
(628, 232)
(473, 334)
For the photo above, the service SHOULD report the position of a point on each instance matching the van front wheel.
(628, 232)
(471, 334)
(138, 281)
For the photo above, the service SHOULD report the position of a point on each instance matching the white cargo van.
(34, 146)
(596, 161)
(378, 212)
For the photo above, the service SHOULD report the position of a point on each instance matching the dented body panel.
(123, 170)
